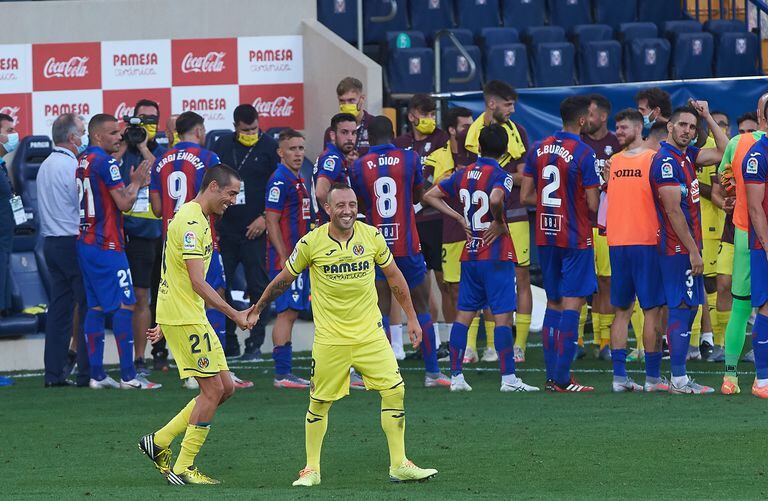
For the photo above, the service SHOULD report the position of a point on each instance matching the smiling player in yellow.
(341, 257)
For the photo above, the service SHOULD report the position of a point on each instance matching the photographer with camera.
(143, 230)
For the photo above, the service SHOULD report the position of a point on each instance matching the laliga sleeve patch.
(752, 165)
(329, 164)
(114, 172)
(508, 183)
(666, 171)
(190, 240)
(274, 194)
(294, 255)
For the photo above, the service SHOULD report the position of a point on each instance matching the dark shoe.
(59, 384)
(443, 352)
(160, 364)
(580, 353)
(69, 367)
(232, 350)
(706, 350)
(251, 356)
(141, 367)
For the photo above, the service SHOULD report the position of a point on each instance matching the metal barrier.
(373, 19)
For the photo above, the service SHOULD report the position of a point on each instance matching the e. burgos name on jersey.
(183, 156)
(555, 149)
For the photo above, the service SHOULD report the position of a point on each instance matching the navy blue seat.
(553, 64)
(415, 38)
(582, 33)
(521, 14)
(673, 28)
(719, 26)
(463, 35)
(375, 32)
(411, 70)
(454, 64)
(646, 59)
(27, 286)
(498, 36)
(31, 152)
(340, 16)
(659, 11)
(693, 55)
(569, 13)
(213, 135)
(477, 14)
(543, 34)
(507, 62)
(600, 62)
(615, 12)
(630, 31)
(430, 16)
(736, 55)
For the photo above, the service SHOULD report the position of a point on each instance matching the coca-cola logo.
(123, 110)
(11, 111)
(147, 59)
(74, 67)
(213, 62)
(281, 106)
(270, 55)
(61, 108)
(9, 63)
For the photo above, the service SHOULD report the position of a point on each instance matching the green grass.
(78, 443)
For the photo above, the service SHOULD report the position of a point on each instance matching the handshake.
(245, 319)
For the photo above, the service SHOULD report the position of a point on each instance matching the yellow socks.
(472, 333)
(489, 327)
(638, 323)
(175, 427)
(393, 423)
(696, 329)
(314, 429)
(522, 329)
(606, 319)
(190, 446)
(582, 323)
(719, 326)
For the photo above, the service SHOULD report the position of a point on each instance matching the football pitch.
(77, 443)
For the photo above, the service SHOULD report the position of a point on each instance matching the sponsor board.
(66, 66)
(278, 105)
(136, 64)
(270, 60)
(215, 103)
(208, 61)
(46, 106)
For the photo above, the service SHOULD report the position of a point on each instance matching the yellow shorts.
(452, 262)
(520, 231)
(374, 360)
(709, 255)
(602, 256)
(196, 350)
(724, 259)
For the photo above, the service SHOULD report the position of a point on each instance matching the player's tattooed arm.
(274, 290)
(399, 288)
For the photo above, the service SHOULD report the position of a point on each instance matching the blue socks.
(94, 336)
(219, 323)
(619, 359)
(653, 364)
(548, 337)
(283, 357)
(457, 345)
(760, 345)
(428, 349)
(503, 341)
(122, 326)
(678, 337)
(385, 324)
(566, 345)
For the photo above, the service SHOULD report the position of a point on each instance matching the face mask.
(151, 130)
(647, 122)
(13, 142)
(248, 140)
(83, 144)
(426, 125)
(350, 108)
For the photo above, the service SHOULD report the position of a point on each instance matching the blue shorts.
(679, 286)
(567, 272)
(413, 267)
(215, 276)
(636, 272)
(106, 276)
(487, 283)
(759, 277)
(295, 298)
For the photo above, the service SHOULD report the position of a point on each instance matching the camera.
(134, 133)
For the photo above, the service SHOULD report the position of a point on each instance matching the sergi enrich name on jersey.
(347, 271)
(184, 156)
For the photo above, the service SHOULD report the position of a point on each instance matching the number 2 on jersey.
(552, 175)
(480, 199)
(177, 188)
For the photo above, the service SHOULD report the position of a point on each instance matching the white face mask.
(12, 143)
(83, 143)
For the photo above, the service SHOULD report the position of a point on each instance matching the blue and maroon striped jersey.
(384, 180)
(101, 222)
(178, 176)
(332, 165)
(672, 167)
(563, 167)
(287, 196)
(472, 188)
(755, 170)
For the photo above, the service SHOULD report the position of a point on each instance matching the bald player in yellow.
(181, 318)
(342, 256)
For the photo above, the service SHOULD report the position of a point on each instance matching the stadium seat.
(430, 16)
(520, 14)
(507, 62)
(498, 36)
(614, 12)
(274, 132)
(719, 26)
(736, 55)
(543, 34)
(453, 64)
(213, 135)
(569, 13)
(646, 59)
(659, 11)
(414, 39)
(340, 16)
(673, 28)
(630, 31)
(553, 64)
(692, 56)
(411, 70)
(600, 62)
(28, 289)
(477, 14)
(582, 33)
(31, 152)
(374, 32)
(464, 36)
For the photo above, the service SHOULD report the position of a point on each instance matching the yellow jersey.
(189, 237)
(712, 217)
(344, 301)
(515, 145)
